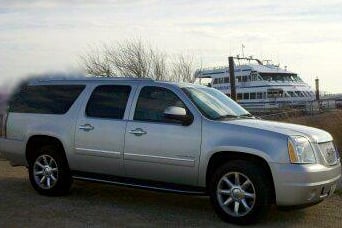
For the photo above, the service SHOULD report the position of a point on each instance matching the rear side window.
(108, 101)
(45, 99)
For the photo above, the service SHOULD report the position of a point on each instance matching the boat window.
(292, 94)
(226, 80)
(215, 81)
(274, 93)
(299, 94)
(239, 96)
(254, 76)
(252, 96)
(259, 95)
(266, 77)
(246, 96)
(280, 77)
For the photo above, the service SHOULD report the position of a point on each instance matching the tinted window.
(108, 101)
(153, 101)
(45, 99)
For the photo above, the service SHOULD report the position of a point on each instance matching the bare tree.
(159, 66)
(133, 58)
(182, 69)
(97, 62)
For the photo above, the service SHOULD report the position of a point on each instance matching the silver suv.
(165, 136)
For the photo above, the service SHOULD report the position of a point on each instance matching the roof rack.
(46, 78)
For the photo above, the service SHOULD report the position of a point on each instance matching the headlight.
(300, 150)
(329, 152)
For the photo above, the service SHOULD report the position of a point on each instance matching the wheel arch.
(37, 141)
(220, 158)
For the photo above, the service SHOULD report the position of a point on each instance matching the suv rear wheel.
(240, 192)
(49, 172)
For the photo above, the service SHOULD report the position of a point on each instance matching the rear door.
(99, 138)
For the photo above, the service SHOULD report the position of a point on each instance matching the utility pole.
(317, 88)
(232, 78)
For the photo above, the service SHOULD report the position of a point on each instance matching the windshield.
(213, 104)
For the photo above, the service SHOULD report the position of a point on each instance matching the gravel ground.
(99, 205)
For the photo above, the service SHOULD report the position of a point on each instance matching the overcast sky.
(49, 36)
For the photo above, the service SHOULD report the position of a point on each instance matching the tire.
(240, 192)
(49, 171)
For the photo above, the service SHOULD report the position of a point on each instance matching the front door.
(159, 149)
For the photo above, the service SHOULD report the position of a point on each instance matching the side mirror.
(178, 113)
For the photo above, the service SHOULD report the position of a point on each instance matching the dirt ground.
(99, 205)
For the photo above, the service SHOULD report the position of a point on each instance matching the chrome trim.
(160, 159)
(86, 127)
(98, 153)
(137, 132)
(138, 185)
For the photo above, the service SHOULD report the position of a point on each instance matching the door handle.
(86, 127)
(137, 132)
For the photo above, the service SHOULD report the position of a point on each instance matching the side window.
(45, 99)
(108, 101)
(239, 96)
(153, 101)
(246, 96)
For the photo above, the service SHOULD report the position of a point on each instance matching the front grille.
(329, 152)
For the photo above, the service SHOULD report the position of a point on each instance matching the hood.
(314, 134)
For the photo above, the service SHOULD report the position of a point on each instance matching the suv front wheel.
(49, 172)
(240, 192)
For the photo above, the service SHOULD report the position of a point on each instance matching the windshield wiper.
(247, 115)
(228, 116)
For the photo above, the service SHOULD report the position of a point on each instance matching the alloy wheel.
(236, 194)
(45, 171)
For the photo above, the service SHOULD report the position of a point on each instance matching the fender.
(204, 161)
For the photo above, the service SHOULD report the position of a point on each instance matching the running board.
(148, 185)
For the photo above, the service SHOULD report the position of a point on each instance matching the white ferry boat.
(260, 85)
